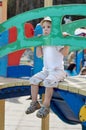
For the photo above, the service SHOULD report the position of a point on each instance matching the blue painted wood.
(38, 62)
(20, 71)
(4, 60)
(67, 106)
(84, 127)
(79, 60)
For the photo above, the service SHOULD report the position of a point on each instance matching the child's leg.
(34, 92)
(48, 96)
(34, 105)
(36, 79)
(45, 109)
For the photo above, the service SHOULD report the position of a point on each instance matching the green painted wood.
(55, 38)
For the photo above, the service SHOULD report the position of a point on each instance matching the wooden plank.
(75, 84)
(11, 82)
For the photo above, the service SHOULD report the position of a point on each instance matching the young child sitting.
(51, 74)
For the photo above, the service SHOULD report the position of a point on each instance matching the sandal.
(43, 112)
(33, 107)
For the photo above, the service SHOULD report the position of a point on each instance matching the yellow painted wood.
(2, 114)
(82, 113)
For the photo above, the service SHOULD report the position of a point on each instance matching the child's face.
(84, 73)
(46, 28)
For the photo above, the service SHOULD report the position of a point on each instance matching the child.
(51, 74)
(71, 69)
(83, 71)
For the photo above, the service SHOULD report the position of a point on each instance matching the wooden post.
(4, 10)
(48, 2)
(45, 121)
(2, 114)
(3, 17)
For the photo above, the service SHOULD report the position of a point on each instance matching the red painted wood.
(14, 58)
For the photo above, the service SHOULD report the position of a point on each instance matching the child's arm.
(65, 50)
(39, 52)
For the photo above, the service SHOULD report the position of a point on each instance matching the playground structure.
(69, 98)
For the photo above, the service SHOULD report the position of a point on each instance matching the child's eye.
(49, 26)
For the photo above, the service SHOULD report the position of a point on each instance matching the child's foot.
(43, 112)
(29, 98)
(33, 107)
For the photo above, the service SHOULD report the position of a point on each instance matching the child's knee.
(50, 83)
(34, 81)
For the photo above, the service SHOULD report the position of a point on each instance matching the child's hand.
(39, 35)
(65, 34)
(39, 52)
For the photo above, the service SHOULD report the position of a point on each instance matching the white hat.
(46, 19)
(80, 31)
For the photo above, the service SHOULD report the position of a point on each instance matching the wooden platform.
(11, 82)
(75, 84)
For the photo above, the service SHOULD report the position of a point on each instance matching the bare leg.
(48, 96)
(44, 111)
(34, 92)
(34, 105)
